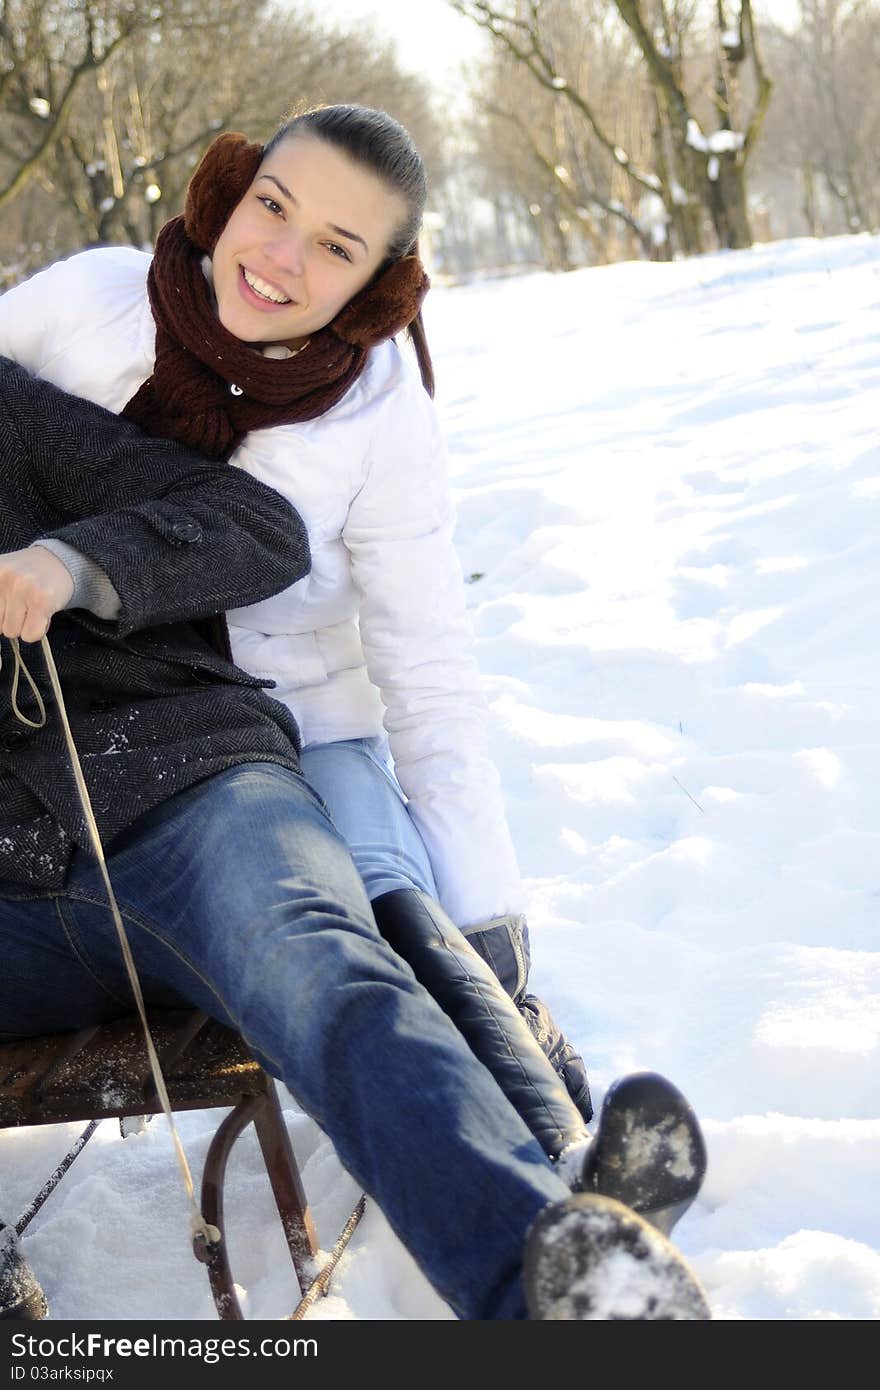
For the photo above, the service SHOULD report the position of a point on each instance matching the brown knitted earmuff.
(381, 309)
(226, 172)
(385, 307)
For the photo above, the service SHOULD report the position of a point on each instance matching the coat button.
(186, 531)
(13, 739)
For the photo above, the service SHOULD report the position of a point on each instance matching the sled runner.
(102, 1073)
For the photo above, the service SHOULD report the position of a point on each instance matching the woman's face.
(309, 233)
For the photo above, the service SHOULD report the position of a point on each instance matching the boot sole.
(649, 1152)
(590, 1258)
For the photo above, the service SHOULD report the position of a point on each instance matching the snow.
(725, 141)
(719, 142)
(668, 476)
(695, 137)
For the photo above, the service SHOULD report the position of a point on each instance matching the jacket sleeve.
(418, 646)
(73, 301)
(24, 316)
(177, 535)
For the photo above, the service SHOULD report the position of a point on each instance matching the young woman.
(262, 331)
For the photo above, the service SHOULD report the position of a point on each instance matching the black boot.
(503, 943)
(469, 993)
(591, 1258)
(20, 1294)
(649, 1151)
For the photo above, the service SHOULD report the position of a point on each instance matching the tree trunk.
(728, 204)
(810, 201)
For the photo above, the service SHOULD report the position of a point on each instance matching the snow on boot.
(590, 1258)
(20, 1294)
(572, 1162)
(649, 1151)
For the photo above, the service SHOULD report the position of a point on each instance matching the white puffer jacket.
(377, 633)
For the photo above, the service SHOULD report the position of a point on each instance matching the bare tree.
(49, 51)
(823, 131)
(581, 205)
(699, 177)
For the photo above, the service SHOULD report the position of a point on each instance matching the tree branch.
(659, 68)
(55, 127)
(574, 199)
(762, 81)
(547, 77)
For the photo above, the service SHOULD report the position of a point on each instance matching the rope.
(200, 1227)
(19, 670)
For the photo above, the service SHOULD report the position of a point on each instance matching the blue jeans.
(241, 899)
(353, 779)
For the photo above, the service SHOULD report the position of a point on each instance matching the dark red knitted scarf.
(208, 389)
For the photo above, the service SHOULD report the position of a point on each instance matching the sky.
(667, 482)
(431, 37)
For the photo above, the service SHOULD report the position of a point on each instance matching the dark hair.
(379, 143)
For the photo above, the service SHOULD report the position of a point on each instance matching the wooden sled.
(102, 1073)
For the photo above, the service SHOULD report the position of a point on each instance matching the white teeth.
(263, 290)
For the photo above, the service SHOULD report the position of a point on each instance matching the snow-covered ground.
(668, 482)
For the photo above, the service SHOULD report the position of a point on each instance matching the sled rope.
(19, 670)
(200, 1227)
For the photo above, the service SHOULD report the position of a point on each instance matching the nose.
(287, 251)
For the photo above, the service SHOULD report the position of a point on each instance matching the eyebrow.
(340, 231)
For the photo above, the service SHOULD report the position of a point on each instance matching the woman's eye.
(271, 204)
(338, 250)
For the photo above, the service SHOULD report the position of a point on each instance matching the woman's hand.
(34, 585)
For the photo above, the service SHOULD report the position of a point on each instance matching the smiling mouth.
(263, 290)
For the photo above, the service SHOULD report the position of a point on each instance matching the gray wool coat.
(154, 708)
